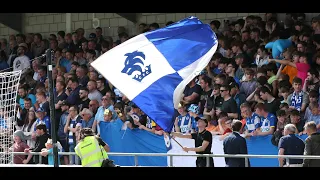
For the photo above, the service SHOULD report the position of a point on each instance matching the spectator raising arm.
(284, 62)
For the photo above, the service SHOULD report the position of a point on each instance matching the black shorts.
(202, 162)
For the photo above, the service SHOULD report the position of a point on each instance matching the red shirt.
(227, 131)
(158, 128)
(19, 147)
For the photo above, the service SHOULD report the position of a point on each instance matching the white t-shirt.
(35, 76)
(21, 63)
(95, 95)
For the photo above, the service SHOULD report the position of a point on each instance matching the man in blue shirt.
(252, 120)
(268, 121)
(23, 93)
(106, 104)
(73, 92)
(42, 118)
(66, 62)
(290, 144)
(87, 118)
(62, 136)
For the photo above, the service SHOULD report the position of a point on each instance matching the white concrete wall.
(47, 23)
(6, 31)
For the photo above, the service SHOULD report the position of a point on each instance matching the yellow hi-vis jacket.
(90, 152)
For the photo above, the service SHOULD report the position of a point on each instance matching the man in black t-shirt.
(203, 142)
(191, 94)
(312, 81)
(229, 105)
(272, 104)
(205, 84)
(83, 94)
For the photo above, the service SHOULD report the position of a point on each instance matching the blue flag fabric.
(152, 69)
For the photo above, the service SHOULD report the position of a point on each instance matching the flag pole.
(177, 142)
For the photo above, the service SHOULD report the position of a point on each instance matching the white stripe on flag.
(190, 72)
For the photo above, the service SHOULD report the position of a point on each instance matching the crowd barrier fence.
(136, 155)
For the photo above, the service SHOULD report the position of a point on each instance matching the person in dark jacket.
(4, 67)
(312, 145)
(41, 139)
(235, 144)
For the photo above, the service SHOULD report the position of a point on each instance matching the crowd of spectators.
(242, 81)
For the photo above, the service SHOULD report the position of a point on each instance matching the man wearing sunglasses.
(83, 94)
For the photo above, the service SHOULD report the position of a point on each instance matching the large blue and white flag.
(153, 69)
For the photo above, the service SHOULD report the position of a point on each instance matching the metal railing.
(136, 155)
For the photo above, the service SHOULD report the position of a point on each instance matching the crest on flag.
(167, 141)
(134, 66)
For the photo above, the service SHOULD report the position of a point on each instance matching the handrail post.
(40, 159)
(135, 160)
(287, 161)
(76, 160)
(171, 160)
(208, 161)
(246, 164)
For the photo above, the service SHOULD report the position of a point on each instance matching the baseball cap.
(65, 103)
(92, 36)
(23, 45)
(40, 110)
(202, 118)
(194, 108)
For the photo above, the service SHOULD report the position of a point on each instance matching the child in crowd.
(48, 151)
(313, 99)
(284, 93)
(223, 125)
(107, 115)
(19, 146)
(295, 119)
(282, 120)
(184, 123)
